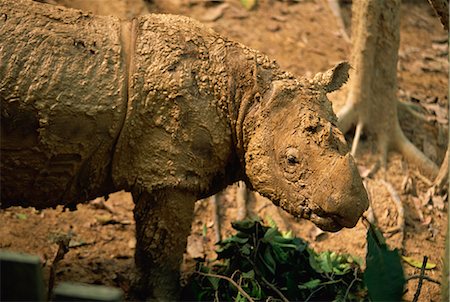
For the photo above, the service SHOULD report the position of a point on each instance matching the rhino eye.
(292, 156)
(292, 160)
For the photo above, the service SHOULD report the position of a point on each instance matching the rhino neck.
(250, 82)
(250, 74)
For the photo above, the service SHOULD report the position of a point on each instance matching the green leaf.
(355, 259)
(243, 225)
(384, 273)
(323, 261)
(288, 234)
(310, 284)
(249, 275)
(256, 290)
(270, 235)
(279, 253)
(204, 230)
(287, 263)
(21, 216)
(214, 282)
(235, 239)
(281, 239)
(269, 261)
(246, 249)
(240, 298)
(271, 222)
(416, 263)
(249, 4)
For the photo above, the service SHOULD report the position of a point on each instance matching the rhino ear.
(333, 78)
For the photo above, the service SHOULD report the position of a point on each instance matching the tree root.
(441, 180)
(336, 10)
(414, 155)
(409, 107)
(395, 140)
(439, 187)
(347, 117)
(241, 200)
(356, 138)
(214, 202)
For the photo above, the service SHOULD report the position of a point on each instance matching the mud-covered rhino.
(168, 109)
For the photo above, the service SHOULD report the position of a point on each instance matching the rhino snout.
(341, 196)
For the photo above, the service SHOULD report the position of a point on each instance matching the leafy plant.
(260, 262)
(384, 273)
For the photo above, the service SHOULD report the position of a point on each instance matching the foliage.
(249, 4)
(384, 273)
(418, 264)
(267, 264)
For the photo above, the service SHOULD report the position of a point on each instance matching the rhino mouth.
(325, 221)
(328, 223)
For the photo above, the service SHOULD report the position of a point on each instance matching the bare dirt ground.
(304, 37)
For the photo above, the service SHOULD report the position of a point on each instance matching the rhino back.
(177, 130)
(62, 91)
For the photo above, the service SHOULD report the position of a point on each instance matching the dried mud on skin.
(303, 38)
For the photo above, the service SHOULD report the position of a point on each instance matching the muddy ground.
(304, 37)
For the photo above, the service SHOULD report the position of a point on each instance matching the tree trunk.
(372, 101)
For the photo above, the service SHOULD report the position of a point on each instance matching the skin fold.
(171, 111)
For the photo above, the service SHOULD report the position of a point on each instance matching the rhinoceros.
(171, 111)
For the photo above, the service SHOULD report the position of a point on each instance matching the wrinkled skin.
(171, 111)
(298, 158)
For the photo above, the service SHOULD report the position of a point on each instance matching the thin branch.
(314, 291)
(424, 277)
(214, 201)
(423, 178)
(356, 138)
(241, 200)
(63, 248)
(422, 273)
(231, 281)
(272, 287)
(355, 274)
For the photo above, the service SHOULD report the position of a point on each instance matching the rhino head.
(297, 157)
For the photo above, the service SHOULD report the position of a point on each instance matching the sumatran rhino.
(169, 110)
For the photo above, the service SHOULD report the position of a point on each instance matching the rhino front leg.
(163, 222)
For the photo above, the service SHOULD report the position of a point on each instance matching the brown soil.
(304, 37)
